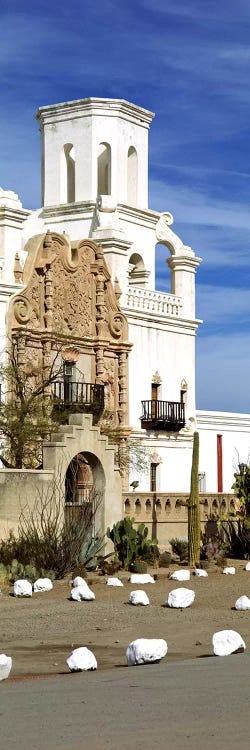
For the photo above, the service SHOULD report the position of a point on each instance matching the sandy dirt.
(40, 633)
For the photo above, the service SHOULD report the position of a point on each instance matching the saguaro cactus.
(194, 530)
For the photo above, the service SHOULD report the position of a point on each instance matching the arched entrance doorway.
(81, 436)
(85, 490)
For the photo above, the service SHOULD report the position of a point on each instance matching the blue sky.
(189, 62)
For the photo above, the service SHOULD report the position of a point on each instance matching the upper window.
(104, 169)
(132, 176)
(68, 174)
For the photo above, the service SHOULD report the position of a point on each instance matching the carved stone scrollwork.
(167, 237)
(22, 310)
(116, 324)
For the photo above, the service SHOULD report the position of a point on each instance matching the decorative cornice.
(140, 215)
(156, 319)
(13, 216)
(114, 243)
(94, 106)
(69, 210)
(126, 213)
(214, 419)
(183, 263)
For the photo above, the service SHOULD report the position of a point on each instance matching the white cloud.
(222, 305)
(191, 206)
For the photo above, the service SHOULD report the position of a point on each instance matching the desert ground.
(40, 633)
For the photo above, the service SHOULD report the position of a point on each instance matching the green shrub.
(165, 559)
(138, 566)
(180, 547)
(48, 541)
(132, 543)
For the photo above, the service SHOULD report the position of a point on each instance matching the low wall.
(19, 488)
(166, 516)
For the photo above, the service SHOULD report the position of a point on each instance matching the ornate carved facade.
(69, 304)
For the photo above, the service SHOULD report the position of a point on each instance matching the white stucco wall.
(168, 349)
(174, 469)
(235, 431)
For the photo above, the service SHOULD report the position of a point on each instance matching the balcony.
(83, 397)
(163, 415)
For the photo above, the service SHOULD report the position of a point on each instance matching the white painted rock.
(247, 566)
(226, 642)
(79, 581)
(180, 575)
(138, 597)
(200, 573)
(43, 584)
(229, 571)
(114, 582)
(82, 593)
(242, 603)
(180, 598)
(81, 660)
(22, 588)
(146, 651)
(141, 578)
(5, 666)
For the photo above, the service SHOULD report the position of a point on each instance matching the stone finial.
(47, 243)
(70, 354)
(117, 289)
(156, 378)
(155, 458)
(18, 271)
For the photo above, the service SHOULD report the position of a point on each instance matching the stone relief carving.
(69, 299)
(109, 380)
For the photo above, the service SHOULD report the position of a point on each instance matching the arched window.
(68, 174)
(132, 186)
(136, 267)
(104, 169)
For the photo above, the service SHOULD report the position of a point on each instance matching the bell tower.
(94, 147)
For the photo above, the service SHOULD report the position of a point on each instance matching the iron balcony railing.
(163, 415)
(85, 395)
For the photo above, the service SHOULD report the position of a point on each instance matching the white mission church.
(94, 176)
